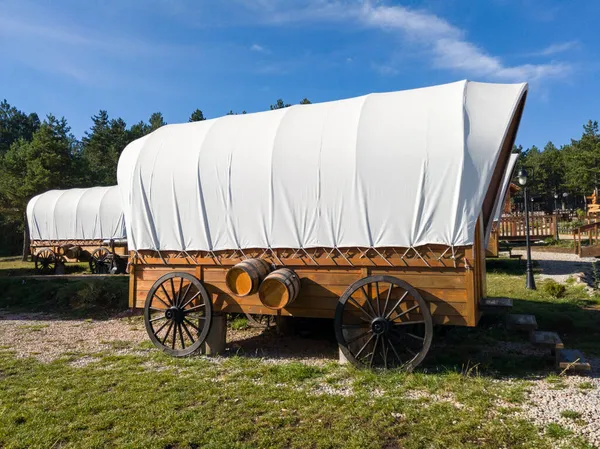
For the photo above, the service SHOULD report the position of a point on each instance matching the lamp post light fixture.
(555, 202)
(522, 178)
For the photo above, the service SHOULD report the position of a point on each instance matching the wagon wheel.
(260, 320)
(178, 314)
(46, 262)
(101, 261)
(381, 321)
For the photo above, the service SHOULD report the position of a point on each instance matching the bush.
(553, 288)
(107, 295)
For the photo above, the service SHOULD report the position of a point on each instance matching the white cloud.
(558, 48)
(258, 48)
(446, 45)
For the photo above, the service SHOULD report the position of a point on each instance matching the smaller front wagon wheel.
(178, 314)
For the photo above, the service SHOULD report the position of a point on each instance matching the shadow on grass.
(64, 299)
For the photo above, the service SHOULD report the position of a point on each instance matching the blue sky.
(73, 57)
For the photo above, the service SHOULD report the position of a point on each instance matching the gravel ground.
(573, 403)
(559, 266)
(48, 337)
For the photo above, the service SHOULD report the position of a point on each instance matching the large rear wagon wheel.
(46, 261)
(260, 320)
(381, 321)
(178, 314)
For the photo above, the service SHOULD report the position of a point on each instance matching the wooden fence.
(590, 234)
(512, 227)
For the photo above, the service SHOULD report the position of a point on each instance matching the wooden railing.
(589, 233)
(512, 227)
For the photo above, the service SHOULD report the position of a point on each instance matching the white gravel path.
(559, 266)
(577, 397)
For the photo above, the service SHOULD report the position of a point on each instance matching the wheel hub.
(379, 326)
(175, 314)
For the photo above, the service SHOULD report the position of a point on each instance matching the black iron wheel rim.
(178, 314)
(101, 261)
(45, 261)
(260, 321)
(383, 322)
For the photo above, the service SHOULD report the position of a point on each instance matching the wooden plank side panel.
(446, 291)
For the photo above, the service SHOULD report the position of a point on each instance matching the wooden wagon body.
(384, 299)
(78, 225)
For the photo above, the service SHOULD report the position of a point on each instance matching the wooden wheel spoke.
(415, 336)
(159, 318)
(179, 291)
(187, 331)
(174, 336)
(387, 300)
(406, 323)
(394, 351)
(160, 328)
(174, 298)
(160, 299)
(353, 326)
(361, 308)
(368, 300)
(377, 298)
(405, 312)
(364, 346)
(168, 332)
(358, 337)
(191, 309)
(374, 351)
(187, 290)
(387, 317)
(162, 286)
(192, 324)
(190, 300)
(384, 353)
(181, 336)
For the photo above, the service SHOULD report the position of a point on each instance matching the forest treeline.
(37, 155)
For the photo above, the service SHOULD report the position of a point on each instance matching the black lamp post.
(555, 204)
(522, 177)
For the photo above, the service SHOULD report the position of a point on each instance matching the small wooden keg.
(244, 278)
(62, 249)
(73, 252)
(279, 289)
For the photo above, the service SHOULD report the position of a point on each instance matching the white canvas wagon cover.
(394, 169)
(77, 214)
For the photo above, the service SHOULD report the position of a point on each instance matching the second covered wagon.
(78, 225)
(371, 211)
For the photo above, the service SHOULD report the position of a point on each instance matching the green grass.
(570, 414)
(14, 266)
(125, 401)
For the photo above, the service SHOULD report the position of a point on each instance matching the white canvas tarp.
(77, 214)
(391, 169)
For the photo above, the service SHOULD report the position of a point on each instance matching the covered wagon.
(78, 225)
(371, 211)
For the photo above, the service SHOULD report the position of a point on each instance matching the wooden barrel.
(244, 278)
(279, 289)
(62, 249)
(73, 252)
